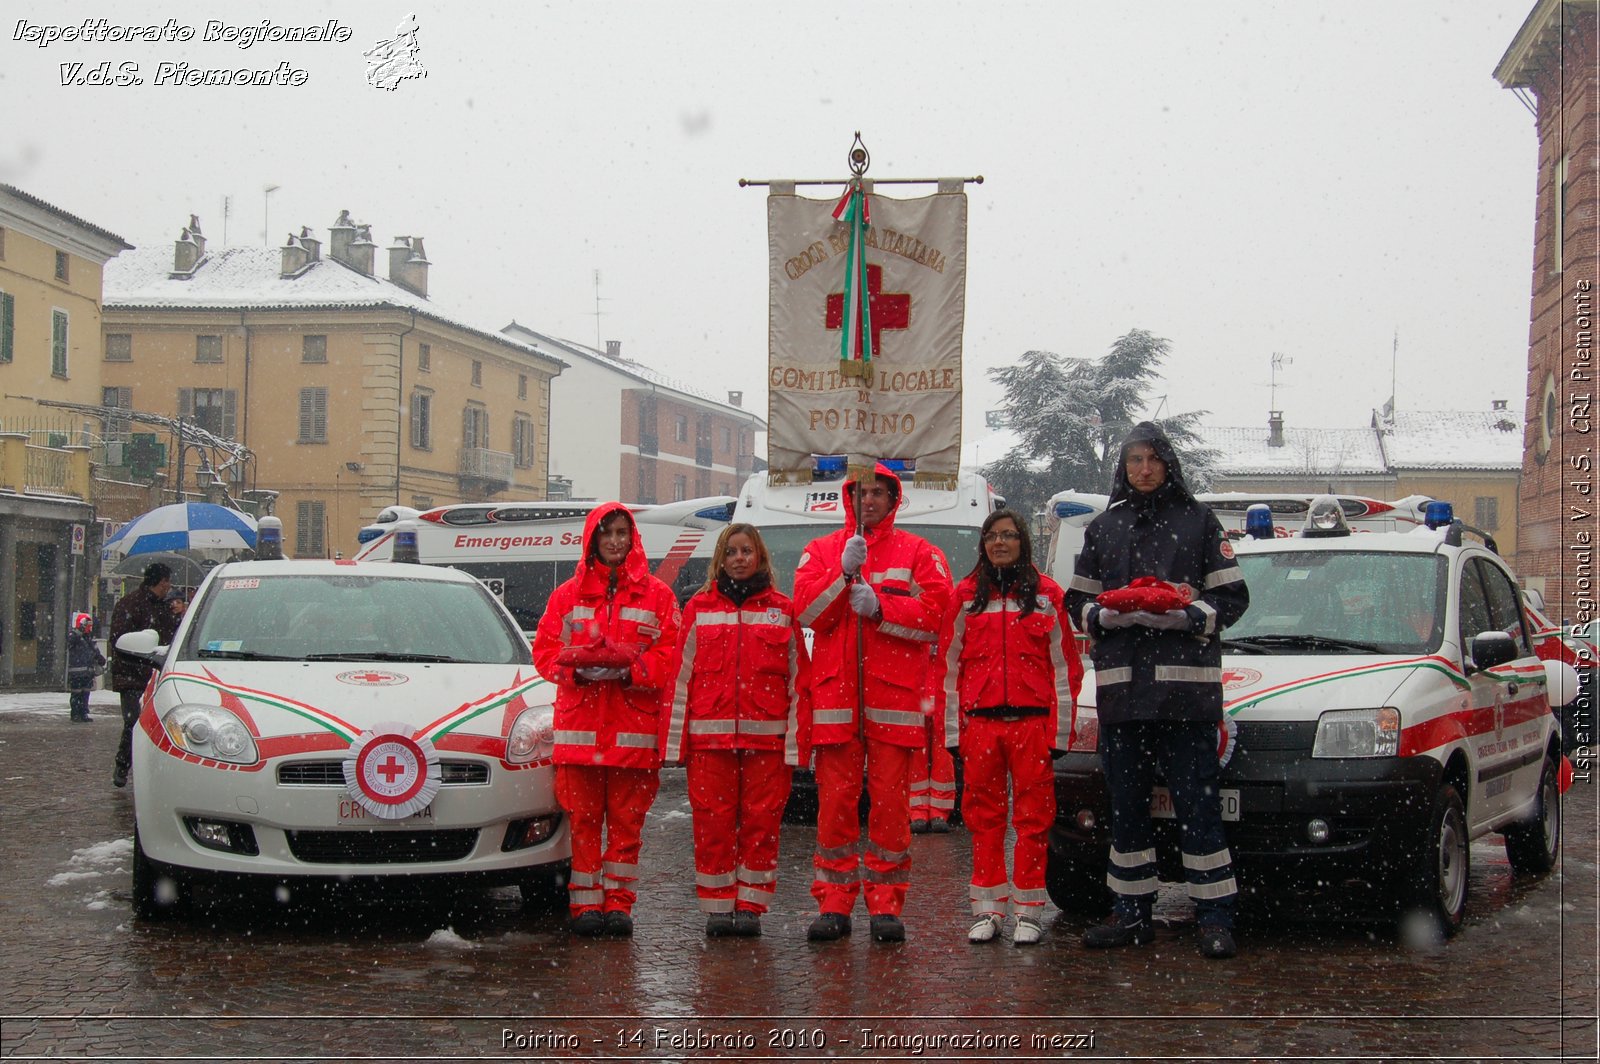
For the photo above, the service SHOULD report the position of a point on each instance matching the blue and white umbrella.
(202, 528)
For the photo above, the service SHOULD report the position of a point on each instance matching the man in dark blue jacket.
(1158, 682)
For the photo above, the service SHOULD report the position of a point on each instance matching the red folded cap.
(601, 655)
(1145, 593)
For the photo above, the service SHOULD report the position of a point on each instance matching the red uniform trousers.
(614, 801)
(888, 858)
(933, 777)
(737, 797)
(991, 748)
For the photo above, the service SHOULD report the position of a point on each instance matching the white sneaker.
(987, 929)
(1027, 933)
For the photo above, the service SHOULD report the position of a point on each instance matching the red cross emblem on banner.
(890, 310)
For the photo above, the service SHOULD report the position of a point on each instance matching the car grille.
(381, 847)
(331, 774)
(1277, 734)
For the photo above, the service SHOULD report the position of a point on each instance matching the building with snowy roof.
(353, 390)
(621, 430)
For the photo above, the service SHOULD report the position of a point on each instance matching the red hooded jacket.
(613, 722)
(913, 586)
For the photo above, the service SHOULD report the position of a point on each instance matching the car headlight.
(533, 735)
(1358, 733)
(210, 731)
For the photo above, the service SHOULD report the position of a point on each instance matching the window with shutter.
(310, 539)
(422, 420)
(58, 343)
(208, 349)
(313, 349)
(313, 415)
(8, 325)
(117, 428)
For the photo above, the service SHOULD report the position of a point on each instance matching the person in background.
(1009, 676)
(143, 607)
(84, 663)
(741, 721)
(1158, 686)
(933, 774)
(873, 601)
(608, 641)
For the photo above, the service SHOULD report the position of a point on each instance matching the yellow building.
(50, 277)
(354, 391)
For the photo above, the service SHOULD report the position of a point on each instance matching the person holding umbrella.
(143, 607)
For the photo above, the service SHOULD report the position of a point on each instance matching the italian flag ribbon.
(855, 211)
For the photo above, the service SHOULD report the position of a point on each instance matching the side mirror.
(1492, 648)
(1563, 683)
(143, 645)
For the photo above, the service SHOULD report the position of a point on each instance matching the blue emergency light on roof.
(830, 466)
(1438, 514)
(1258, 521)
(368, 534)
(1065, 510)
(899, 465)
(269, 539)
(405, 543)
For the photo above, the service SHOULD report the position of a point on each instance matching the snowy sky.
(1242, 178)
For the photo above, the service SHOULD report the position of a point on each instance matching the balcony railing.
(649, 443)
(702, 455)
(25, 468)
(490, 470)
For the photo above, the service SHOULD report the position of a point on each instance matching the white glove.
(854, 555)
(1109, 619)
(1171, 620)
(863, 599)
(595, 674)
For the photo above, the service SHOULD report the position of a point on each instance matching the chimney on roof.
(614, 349)
(350, 243)
(1497, 406)
(1275, 428)
(735, 398)
(312, 245)
(408, 264)
(295, 258)
(190, 248)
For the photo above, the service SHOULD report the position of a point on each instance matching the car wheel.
(1439, 875)
(1075, 879)
(157, 892)
(1532, 847)
(544, 890)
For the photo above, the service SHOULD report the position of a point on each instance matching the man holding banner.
(874, 599)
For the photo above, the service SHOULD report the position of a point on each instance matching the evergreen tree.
(1072, 414)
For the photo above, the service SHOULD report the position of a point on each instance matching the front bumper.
(1376, 810)
(309, 831)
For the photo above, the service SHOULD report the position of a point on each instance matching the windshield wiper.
(382, 655)
(1269, 643)
(242, 655)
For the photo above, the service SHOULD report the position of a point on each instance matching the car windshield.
(352, 618)
(786, 543)
(1368, 601)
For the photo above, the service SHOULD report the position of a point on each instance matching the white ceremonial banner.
(916, 253)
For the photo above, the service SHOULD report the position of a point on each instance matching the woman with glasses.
(1010, 673)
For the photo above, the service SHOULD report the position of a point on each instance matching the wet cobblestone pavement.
(477, 978)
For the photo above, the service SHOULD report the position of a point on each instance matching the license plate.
(352, 811)
(1161, 804)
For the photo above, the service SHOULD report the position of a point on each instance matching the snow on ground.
(94, 861)
(447, 938)
(50, 703)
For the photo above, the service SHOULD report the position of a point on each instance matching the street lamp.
(266, 204)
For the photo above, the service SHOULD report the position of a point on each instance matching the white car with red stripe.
(318, 720)
(1384, 707)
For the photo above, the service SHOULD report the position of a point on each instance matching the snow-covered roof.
(543, 342)
(249, 278)
(1453, 439)
(1316, 452)
(118, 244)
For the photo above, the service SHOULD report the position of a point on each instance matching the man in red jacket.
(874, 600)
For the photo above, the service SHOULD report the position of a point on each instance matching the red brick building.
(1551, 63)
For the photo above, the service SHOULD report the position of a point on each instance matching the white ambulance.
(523, 550)
(1383, 708)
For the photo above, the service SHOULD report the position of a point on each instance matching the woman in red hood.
(608, 640)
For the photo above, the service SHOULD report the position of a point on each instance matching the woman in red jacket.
(1010, 674)
(741, 719)
(608, 640)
